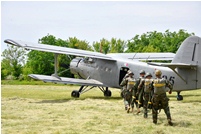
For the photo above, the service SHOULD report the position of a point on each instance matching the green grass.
(49, 109)
(31, 82)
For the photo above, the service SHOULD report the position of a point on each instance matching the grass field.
(49, 109)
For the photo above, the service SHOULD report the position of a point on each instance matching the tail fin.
(190, 53)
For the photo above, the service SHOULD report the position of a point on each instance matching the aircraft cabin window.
(97, 67)
(106, 69)
(110, 70)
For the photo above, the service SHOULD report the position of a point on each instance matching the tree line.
(17, 63)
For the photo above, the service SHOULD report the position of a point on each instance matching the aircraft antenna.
(147, 58)
(134, 56)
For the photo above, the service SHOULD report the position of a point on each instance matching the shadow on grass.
(184, 124)
(76, 99)
(54, 101)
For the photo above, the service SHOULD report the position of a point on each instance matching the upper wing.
(77, 52)
(57, 49)
(46, 78)
(145, 56)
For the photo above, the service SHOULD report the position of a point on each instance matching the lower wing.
(53, 79)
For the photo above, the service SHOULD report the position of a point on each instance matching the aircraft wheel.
(75, 94)
(179, 97)
(107, 93)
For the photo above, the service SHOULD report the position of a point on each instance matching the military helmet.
(142, 72)
(130, 72)
(158, 72)
(148, 74)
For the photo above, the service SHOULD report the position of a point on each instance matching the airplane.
(107, 70)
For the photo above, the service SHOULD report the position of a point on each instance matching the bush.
(10, 77)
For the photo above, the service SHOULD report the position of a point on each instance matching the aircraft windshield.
(88, 60)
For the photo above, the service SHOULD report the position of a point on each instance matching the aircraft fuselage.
(109, 72)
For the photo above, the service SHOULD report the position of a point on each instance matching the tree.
(78, 44)
(43, 62)
(173, 40)
(157, 41)
(117, 46)
(103, 46)
(113, 46)
(13, 61)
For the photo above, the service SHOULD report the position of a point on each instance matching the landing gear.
(75, 94)
(83, 89)
(107, 93)
(179, 97)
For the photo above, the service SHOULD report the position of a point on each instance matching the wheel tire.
(75, 94)
(179, 97)
(107, 93)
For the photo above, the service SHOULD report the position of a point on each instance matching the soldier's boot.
(128, 109)
(132, 110)
(138, 110)
(170, 122)
(167, 112)
(154, 115)
(145, 113)
(155, 121)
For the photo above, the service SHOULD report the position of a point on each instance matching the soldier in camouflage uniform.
(160, 99)
(124, 88)
(145, 85)
(129, 83)
(139, 92)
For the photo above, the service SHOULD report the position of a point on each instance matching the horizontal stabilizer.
(63, 80)
(58, 49)
(172, 65)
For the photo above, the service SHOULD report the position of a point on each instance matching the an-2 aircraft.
(107, 70)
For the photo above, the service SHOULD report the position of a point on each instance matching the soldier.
(124, 90)
(139, 91)
(129, 82)
(160, 99)
(145, 85)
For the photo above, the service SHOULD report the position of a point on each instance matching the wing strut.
(173, 66)
(173, 69)
(56, 66)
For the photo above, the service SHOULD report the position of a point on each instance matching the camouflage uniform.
(137, 93)
(145, 85)
(140, 91)
(160, 99)
(129, 83)
(123, 91)
(134, 96)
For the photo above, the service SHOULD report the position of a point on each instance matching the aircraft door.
(123, 72)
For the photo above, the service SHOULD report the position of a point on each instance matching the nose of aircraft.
(74, 65)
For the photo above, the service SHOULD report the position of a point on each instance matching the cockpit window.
(88, 60)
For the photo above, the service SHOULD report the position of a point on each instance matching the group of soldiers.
(146, 92)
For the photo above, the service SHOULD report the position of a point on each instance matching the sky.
(94, 20)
